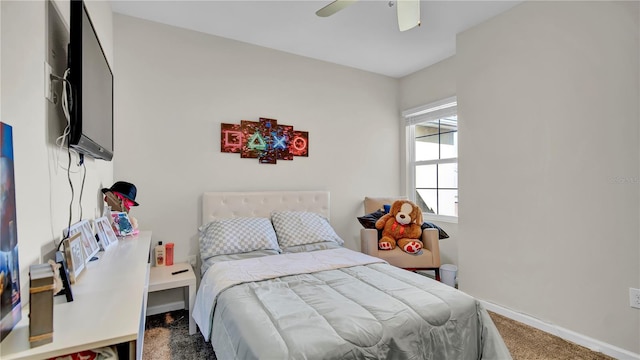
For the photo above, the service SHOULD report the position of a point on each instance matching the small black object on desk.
(64, 276)
(179, 271)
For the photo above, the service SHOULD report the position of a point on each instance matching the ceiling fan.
(408, 11)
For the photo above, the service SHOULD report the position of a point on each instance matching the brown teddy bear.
(402, 227)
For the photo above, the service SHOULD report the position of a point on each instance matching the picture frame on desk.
(89, 242)
(105, 233)
(74, 253)
(121, 224)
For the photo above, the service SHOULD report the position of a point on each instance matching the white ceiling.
(365, 35)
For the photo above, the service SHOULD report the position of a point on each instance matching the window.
(432, 148)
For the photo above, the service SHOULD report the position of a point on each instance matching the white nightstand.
(161, 278)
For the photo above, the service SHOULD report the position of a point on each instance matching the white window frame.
(433, 111)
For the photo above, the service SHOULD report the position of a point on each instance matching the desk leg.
(133, 350)
(128, 350)
(192, 300)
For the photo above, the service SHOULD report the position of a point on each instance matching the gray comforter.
(364, 310)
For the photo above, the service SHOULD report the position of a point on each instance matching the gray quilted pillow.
(302, 227)
(237, 235)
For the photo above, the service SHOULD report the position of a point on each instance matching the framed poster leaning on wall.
(10, 304)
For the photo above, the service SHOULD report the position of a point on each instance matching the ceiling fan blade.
(408, 14)
(334, 7)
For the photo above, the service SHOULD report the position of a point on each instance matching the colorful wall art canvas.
(10, 307)
(264, 140)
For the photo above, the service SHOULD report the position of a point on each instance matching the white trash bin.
(448, 274)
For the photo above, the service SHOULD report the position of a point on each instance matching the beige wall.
(549, 165)
(42, 188)
(430, 84)
(425, 86)
(549, 152)
(175, 87)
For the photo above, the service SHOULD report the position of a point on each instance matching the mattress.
(338, 304)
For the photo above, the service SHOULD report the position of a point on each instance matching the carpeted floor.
(167, 338)
(528, 343)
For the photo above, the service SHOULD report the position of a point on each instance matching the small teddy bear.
(401, 227)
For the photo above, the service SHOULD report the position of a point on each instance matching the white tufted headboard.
(218, 205)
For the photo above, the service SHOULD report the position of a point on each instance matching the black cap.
(128, 190)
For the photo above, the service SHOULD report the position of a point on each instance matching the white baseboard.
(582, 340)
(163, 308)
(166, 300)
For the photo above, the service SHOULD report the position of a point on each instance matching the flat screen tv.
(91, 80)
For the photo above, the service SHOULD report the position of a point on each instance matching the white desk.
(161, 278)
(109, 300)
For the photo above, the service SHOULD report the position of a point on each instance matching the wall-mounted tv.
(91, 79)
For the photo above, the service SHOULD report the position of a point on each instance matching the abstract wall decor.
(10, 306)
(265, 140)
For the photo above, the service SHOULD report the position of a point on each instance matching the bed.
(276, 283)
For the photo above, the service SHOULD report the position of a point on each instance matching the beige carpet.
(157, 338)
(156, 344)
(528, 343)
(167, 338)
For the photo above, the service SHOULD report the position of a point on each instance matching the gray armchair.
(428, 260)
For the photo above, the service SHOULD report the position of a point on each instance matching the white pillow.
(237, 235)
(302, 227)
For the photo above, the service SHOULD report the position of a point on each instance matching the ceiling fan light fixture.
(408, 14)
(334, 7)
